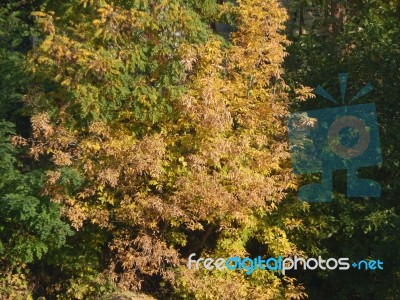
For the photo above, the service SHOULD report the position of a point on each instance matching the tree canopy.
(135, 133)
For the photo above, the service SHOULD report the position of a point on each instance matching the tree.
(357, 228)
(175, 138)
(30, 225)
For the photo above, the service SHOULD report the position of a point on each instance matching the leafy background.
(134, 133)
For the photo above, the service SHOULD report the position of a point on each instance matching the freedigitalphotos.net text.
(281, 264)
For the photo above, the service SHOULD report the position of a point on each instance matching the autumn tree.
(162, 138)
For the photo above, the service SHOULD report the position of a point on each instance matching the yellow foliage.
(215, 157)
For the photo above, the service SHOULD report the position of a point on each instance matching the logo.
(340, 138)
(249, 265)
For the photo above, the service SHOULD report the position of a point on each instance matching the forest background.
(134, 133)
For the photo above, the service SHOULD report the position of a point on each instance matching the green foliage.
(30, 226)
(366, 48)
(16, 37)
(153, 137)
